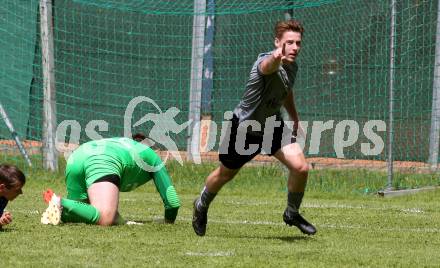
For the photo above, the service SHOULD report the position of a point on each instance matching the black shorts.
(232, 159)
(113, 178)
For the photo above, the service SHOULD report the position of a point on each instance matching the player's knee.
(106, 217)
(300, 169)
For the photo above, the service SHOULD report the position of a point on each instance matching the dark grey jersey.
(265, 94)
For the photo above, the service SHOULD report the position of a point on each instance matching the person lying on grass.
(12, 181)
(95, 174)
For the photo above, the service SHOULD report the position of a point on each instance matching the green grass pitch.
(245, 229)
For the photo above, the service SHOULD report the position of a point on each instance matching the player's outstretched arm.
(271, 63)
(168, 194)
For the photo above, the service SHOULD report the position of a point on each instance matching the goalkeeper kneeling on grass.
(95, 174)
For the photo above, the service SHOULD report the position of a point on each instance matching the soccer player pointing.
(268, 88)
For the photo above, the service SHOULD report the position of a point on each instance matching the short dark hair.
(138, 137)
(288, 25)
(11, 175)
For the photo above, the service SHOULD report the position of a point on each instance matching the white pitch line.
(315, 205)
(304, 205)
(323, 206)
(25, 211)
(246, 222)
(210, 254)
(134, 223)
(412, 210)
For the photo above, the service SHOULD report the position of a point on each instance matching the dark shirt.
(265, 94)
(3, 203)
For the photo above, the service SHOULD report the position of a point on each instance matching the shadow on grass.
(288, 239)
(295, 238)
(7, 230)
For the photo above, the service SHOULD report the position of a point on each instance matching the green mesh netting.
(108, 52)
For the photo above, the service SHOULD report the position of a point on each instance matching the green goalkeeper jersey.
(134, 163)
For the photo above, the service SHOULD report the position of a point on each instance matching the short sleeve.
(256, 68)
